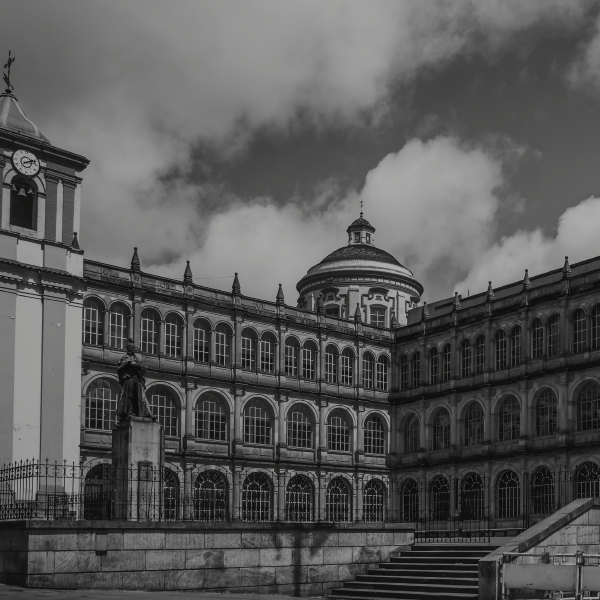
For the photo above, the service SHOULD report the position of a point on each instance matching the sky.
(241, 135)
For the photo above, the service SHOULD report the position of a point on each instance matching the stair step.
(376, 577)
(415, 587)
(425, 594)
(418, 568)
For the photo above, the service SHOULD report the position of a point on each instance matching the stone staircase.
(427, 571)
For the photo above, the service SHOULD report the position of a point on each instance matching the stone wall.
(298, 559)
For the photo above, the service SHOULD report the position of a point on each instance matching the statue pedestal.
(138, 453)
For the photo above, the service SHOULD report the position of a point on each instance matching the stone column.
(137, 320)
(161, 337)
(236, 505)
(189, 416)
(453, 401)
(106, 329)
(280, 516)
(322, 445)
(424, 442)
(188, 497)
(525, 411)
(213, 347)
(237, 419)
(360, 434)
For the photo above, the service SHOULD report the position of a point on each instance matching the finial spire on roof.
(526, 281)
(361, 208)
(135, 261)
(6, 74)
(456, 303)
(357, 314)
(424, 312)
(393, 320)
(188, 277)
(566, 269)
(279, 299)
(490, 292)
(236, 288)
(75, 242)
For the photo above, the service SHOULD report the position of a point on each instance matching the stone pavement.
(18, 593)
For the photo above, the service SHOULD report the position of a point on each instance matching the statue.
(132, 397)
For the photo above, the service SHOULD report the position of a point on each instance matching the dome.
(360, 222)
(13, 117)
(361, 252)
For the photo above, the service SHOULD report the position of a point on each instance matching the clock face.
(25, 162)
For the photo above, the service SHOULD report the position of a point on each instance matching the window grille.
(546, 413)
(267, 355)
(338, 432)
(515, 346)
(222, 345)
(409, 501)
(374, 499)
(170, 495)
(210, 497)
(537, 339)
(347, 364)
(164, 407)
(257, 498)
(331, 359)
(465, 358)
(291, 357)
(596, 327)
(299, 427)
(579, 325)
(439, 499)
(308, 362)
(173, 330)
(248, 350)
(299, 500)
(412, 434)
(553, 335)
(434, 366)
(472, 499)
(508, 495)
(257, 423)
(210, 418)
(149, 332)
(509, 420)
(415, 370)
(404, 372)
(501, 354)
(588, 407)
(374, 435)
(382, 373)
(447, 363)
(587, 481)
(201, 341)
(368, 368)
(378, 317)
(441, 430)
(339, 501)
(93, 322)
(474, 424)
(119, 316)
(542, 492)
(479, 355)
(101, 404)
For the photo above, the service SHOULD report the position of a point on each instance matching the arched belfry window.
(23, 203)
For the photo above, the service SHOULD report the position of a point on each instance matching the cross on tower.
(361, 208)
(6, 74)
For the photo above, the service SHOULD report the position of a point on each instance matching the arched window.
(163, 404)
(446, 362)
(501, 350)
(210, 497)
(578, 328)
(119, 326)
(149, 328)
(93, 321)
(439, 499)
(415, 370)
(23, 203)
(267, 352)
(480, 355)
(257, 498)
(508, 495)
(299, 426)
(170, 495)
(542, 491)
(223, 345)
(588, 407)
(465, 358)
(374, 500)
(537, 338)
(249, 341)
(299, 499)
(331, 364)
(309, 353)
(383, 366)
(596, 327)
(509, 420)
(546, 413)
(292, 354)
(587, 481)
(412, 432)
(101, 404)
(434, 365)
(339, 500)
(173, 334)
(338, 431)
(515, 346)
(347, 363)
(374, 435)
(474, 424)
(210, 417)
(441, 430)
(553, 335)
(201, 341)
(409, 501)
(257, 422)
(472, 497)
(368, 371)
(97, 492)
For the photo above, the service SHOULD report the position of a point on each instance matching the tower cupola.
(361, 232)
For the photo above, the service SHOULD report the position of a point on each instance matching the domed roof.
(13, 117)
(361, 252)
(360, 222)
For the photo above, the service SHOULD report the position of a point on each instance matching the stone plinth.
(138, 447)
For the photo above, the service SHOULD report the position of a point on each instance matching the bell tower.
(41, 270)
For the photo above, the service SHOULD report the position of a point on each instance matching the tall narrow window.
(257, 423)
(211, 417)
(201, 341)
(173, 335)
(480, 355)
(374, 435)
(299, 426)
(292, 352)
(579, 326)
(331, 364)
(338, 500)
(299, 499)
(596, 327)
(515, 346)
(415, 370)
(588, 407)
(338, 431)
(404, 372)
(93, 321)
(149, 328)
(509, 420)
(546, 413)
(347, 364)
(508, 495)
(368, 370)
(257, 498)
(210, 497)
(267, 353)
(23, 203)
(553, 335)
(474, 424)
(223, 345)
(447, 362)
(374, 500)
(409, 501)
(542, 491)
(119, 322)
(412, 435)
(248, 349)
(378, 317)
(465, 358)
(101, 404)
(309, 353)
(163, 405)
(537, 338)
(501, 350)
(383, 367)
(434, 366)
(441, 430)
